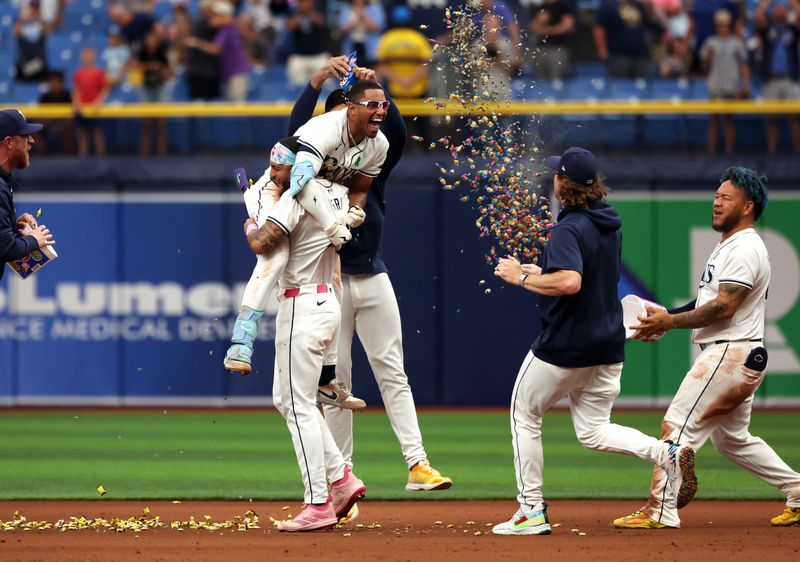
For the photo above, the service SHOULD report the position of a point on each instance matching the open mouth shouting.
(374, 125)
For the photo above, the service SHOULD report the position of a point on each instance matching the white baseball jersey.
(312, 259)
(326, 143)
(260, 198)
(742, 259)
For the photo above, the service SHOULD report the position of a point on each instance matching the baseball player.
(343, 147)
(715, 398)
(369, 305)
(15, 144)
(581, 347)
(259, 200)
(305, 339)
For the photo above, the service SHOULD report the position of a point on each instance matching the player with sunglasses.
(374, 314)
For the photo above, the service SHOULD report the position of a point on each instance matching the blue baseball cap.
(13, 123)
(577, 163)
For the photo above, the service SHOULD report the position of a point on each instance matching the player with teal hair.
(752, 184)
(715, 399)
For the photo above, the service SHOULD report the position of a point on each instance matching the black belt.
(703, 346)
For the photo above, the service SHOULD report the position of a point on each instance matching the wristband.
(521, 279)
(250, 228)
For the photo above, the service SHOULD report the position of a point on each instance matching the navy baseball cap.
(336, 97)
(13, 123)
(577, 163)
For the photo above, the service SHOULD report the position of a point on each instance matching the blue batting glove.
(301, 173)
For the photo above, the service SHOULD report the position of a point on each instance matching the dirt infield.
(433, 530)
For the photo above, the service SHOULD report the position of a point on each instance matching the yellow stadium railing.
(422, 108)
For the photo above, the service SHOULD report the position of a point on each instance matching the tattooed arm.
(263, 240)
(724, 306)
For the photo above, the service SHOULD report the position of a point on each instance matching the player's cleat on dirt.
(336, 394)
(345, 492)
(311, 518)
(525, 522)
(679, 466)
(237, 359)
(790, 516)
(352, 515)
(639, 520)
(423, 478)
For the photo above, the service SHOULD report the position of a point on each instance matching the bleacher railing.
(420, 108)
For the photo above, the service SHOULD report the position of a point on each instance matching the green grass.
(242, 454)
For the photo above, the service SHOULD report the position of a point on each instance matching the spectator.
(155, 73)
(58, 134)
(310, 38)
(234, 70)
(116, 57)
(552, 26)
(678, 61)
(255, 43)
(674, 16)
(266, 23)
(361, 23)
(725, 56)
(508, 25)
(621, 36)
(780, 67)
(134, 25)
(31, 32)
(702, 26)
(90, 88)
(202, 68)
(179, 29)
(52, 11)
(500, 54)
(259, 14)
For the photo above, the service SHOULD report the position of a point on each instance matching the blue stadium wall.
(139, 306)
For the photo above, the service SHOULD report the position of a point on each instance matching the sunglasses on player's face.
(372, 105)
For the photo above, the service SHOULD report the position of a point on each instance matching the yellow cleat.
(423, 477)
(790, 516)
(352, 515)
(638, 520)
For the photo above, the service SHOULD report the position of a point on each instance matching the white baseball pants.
(369, 309)
(305, 338)
(715, 400)
(591, 392)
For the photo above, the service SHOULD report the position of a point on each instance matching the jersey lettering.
(331, 170)
(708, 275)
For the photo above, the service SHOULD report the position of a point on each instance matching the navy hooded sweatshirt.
(584, 329)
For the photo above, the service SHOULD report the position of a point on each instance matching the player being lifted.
(306, 331)
(341, 146)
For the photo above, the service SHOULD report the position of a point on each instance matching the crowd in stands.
(249, 50)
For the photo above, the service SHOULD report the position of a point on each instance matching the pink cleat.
(311, 518)
(346, 492)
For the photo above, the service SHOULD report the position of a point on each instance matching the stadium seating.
(86, 22)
